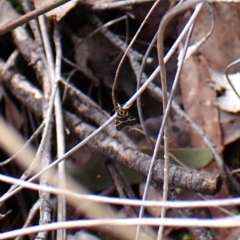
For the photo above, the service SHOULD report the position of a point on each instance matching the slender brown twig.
(29, 16)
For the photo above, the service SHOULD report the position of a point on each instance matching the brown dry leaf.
(197, 99)
(218, 51)
(58, 12)
(101, 67)
(7, 12)
(229, 101)
(152, 195)
(178, 132)
(82, 235)
(141, 10)
(223, 46)
(230, 124)
(234, 234)
(87, 156)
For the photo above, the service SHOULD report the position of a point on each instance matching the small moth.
(123, 118)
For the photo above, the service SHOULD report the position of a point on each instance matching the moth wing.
(132, 121)
(119, 124)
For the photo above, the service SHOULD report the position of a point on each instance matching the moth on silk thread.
(124, 118)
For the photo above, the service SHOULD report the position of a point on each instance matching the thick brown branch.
(197, 181)
(193, 180)
(84, 106)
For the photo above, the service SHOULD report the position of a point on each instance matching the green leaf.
(193, 158)
(96, 176)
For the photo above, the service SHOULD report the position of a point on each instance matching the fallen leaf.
(234, 234)
(197, 97)
(7, 12)
(82, 235)
(230, 124)
(198, 100)
(229, 101)
(223, 46)
(178, 132)
(93, 65)
(96, 172)
(193, 158)
(152, 195)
